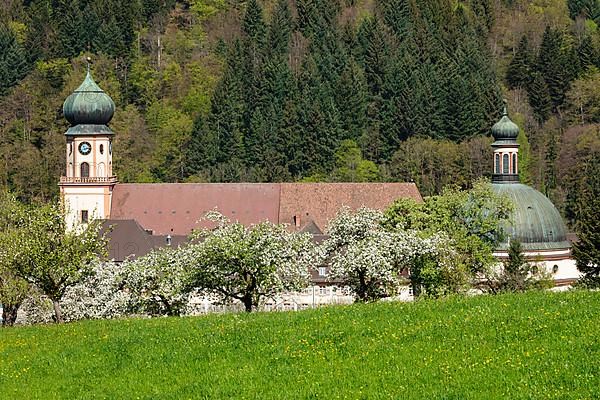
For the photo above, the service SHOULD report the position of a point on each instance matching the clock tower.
(86, 188)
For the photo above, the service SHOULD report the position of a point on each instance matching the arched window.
(514, 164)
(505, 164)
(101, 149)
(497, 163)
(85, 170)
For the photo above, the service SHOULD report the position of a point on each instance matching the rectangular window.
(84, 216)
(322, 271)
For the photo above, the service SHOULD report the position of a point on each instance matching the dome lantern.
(506, 150)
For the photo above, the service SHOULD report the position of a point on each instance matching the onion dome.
(535, 222)
(505, 129)
(88, 104)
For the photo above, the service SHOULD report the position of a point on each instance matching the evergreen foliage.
(13, 62)
(519, 70)
(268, 90)
(587, 250)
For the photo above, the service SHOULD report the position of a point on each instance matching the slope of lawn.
(537, 345)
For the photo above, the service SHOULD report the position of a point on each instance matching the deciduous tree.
(249, 264)
(50, 256)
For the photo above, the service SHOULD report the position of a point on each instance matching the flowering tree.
(473, 220)
(370, 259)
(101, 295)
(13, 289)
(248, 264)
(156, 282)
(51, 257)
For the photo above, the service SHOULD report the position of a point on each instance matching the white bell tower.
(87, 187)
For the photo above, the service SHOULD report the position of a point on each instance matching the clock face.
(85, 148)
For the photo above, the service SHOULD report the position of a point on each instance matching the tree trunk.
(247, 300)
(57, 312)
(9, 314)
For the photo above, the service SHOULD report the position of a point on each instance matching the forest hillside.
(313, 90)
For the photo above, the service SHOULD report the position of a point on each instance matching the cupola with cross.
(87, 186)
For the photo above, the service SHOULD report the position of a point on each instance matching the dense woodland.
(313, 90)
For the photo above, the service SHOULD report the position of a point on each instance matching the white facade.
(558, 263)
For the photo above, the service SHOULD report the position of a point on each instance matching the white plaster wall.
(567, 268)
(79, 198)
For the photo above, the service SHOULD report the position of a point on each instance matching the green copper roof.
(536, 223)
(87, 130)
(88, 104)
(505, 129)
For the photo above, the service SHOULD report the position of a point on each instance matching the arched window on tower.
(497, 169)
(85, 170)
(514, 163)
(505, 164)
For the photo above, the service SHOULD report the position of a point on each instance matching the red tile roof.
(175, 208)
(320, 202)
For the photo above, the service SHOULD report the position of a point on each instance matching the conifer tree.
(280, 30)
(518, 74)
(225, 118)
(516, 270)
(374, 55)
(584, 8)
(71, 29)
(586, 250)
(553, 66)
(539, 98)
(13, 62)
(109, 39)
(586, 53)
(550, 161)
(351, 101)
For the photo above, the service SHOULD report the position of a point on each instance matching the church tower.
(86, 188)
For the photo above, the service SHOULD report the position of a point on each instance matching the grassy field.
(532, 346)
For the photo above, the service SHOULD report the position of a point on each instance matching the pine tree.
(550, 161)
(280, 30)
(13, 61)
(351, 101)
(516, 270)
(253, 24)
(109, 39)
(584, 8)
(71, 29)
(586, 53)
(374, 55)
(518, 74)
(225, 118)
(539, 98)
(553, 66)
(586, 250)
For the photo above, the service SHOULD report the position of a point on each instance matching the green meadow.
(527, 346)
